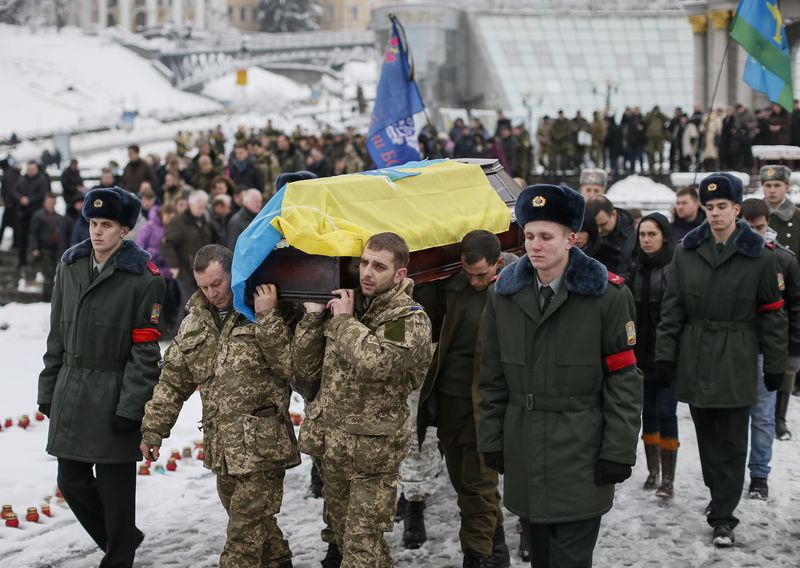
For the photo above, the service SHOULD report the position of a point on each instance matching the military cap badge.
(97, 203)
(712, 187)
(770, 172)
(630, 332)
(538, 201)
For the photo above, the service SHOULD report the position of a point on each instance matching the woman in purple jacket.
(149, 238)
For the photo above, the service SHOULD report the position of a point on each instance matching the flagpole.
(710, 111)
(402, 31)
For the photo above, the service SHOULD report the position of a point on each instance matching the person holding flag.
(391, 140)
(758, 28)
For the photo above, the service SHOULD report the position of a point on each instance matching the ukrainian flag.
(758, 28)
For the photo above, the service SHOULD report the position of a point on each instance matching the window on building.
(354, 13)
(255, 14)
(242, 12)
(331, 11)
(230, 12)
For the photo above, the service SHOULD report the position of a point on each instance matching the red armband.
(774, 306)
(144, 334)
(620, 360)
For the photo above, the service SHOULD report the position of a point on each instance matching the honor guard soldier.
(560, 393)
(369, 352)
(99, 371)
(722, 307)
(243, 371)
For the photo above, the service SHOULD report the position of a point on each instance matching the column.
(699, 23)
(720, 20)
(85, 14)
(199, 14)
(102, 13)
(152, 12)
(125, 14)
(177, 12)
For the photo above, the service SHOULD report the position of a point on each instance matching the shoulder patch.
(781, 283)
(395, 330)
(153, 268)
(616, 279)
(416, 309)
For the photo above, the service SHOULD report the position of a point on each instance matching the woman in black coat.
(648, 281)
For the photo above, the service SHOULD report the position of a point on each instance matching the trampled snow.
(185, 523)
(264, 90)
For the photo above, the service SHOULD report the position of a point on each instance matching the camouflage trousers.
(360, 508)
(421, 467)
(254, 538)
(475, 484)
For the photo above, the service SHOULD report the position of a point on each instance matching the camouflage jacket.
(367, 367)
(243, 373)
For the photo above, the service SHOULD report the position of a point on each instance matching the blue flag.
(392, 140)
(758, 28)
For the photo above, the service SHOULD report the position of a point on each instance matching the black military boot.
(414, 525)
(333, 558)
(474, 560)
(759, 489)
(524, 530)
(781, 406)
(500, 557)
(651, 452)
(316, 482)
(669, 459)
(402, 508)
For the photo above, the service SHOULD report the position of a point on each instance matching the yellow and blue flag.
(391, 139)
(758, 28)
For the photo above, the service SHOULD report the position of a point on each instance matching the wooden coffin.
(302, 277)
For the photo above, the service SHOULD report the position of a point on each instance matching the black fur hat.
(557, 203)
(112, 203)
(290, 177)
(721, 185)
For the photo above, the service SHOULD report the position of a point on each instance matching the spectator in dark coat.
(106, 179)
(688, 214)
(289, 157)
(615, 227)
(48, 239)
(252, 200)
(136, 171)
(183, 237)
(243, 170)
(71, 185)
(28, 195)
(11, 176)
(80, 228)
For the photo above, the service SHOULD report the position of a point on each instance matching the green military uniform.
(656, 134)
(243, 371)
(720, 310)
(358, 425)
(785, 220)
(447, 402)
(560, 389)
(268, 163)
(562, 144)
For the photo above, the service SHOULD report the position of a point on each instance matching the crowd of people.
(187, 212)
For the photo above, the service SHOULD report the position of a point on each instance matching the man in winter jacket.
(615, 227)
(136, 171)
(242, 370)
(560, 393)
(28, 195)
(688, 214)
(49, 238)
(367, 356)
(243, 170)
(721, 308)
(251, 204)
(448, 399)
(784, 218)
(99, 371)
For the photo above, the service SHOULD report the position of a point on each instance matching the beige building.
(343, 15)
(136, 15)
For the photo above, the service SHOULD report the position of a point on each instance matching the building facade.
(137, 15)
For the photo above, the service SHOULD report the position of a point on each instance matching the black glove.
(665, 371)
(494, 460)
(45, 409)
(773, 381)
(606, 472)
(122, 425)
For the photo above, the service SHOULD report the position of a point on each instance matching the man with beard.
(369, 352)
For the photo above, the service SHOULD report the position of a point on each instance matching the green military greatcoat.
(559, 390)
(720, 310)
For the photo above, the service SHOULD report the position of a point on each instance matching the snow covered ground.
(185, 524)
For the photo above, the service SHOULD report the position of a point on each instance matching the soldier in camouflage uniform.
(369, 353)
(243, 371)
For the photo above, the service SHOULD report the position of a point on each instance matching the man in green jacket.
(560, 394)
(721, 308)
(446, 399)
(243, 371)
(99, 371)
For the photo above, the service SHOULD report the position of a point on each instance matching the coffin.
(302, 277)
